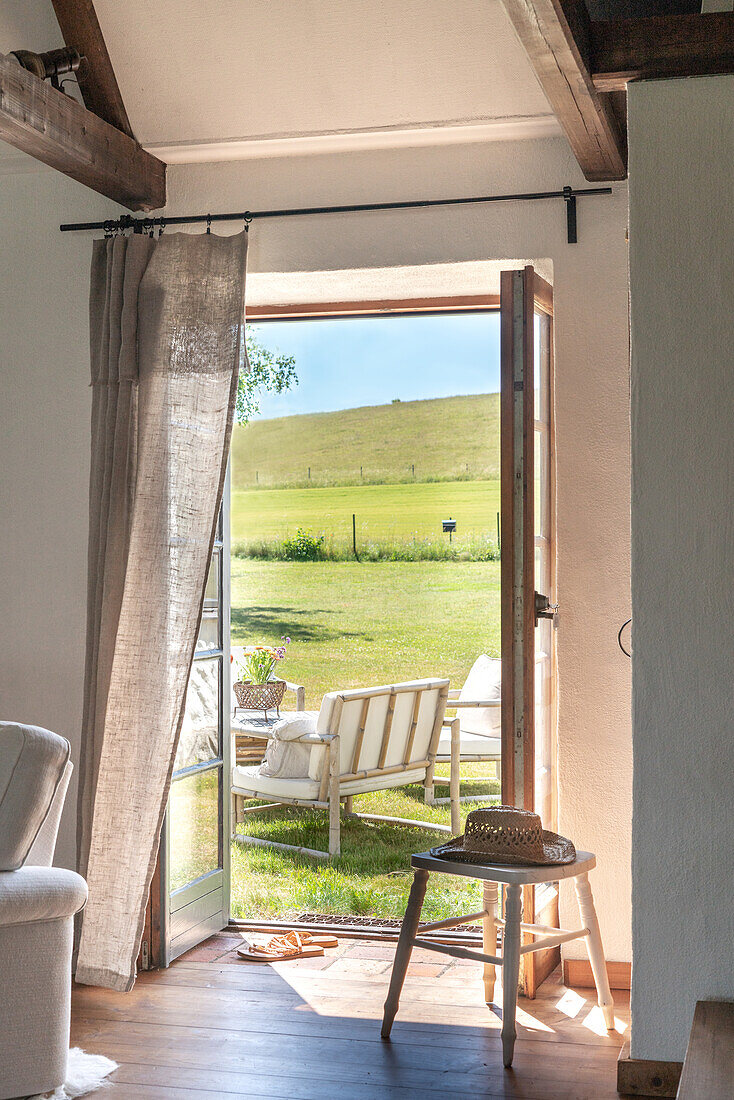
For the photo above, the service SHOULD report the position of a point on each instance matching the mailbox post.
(449, 526)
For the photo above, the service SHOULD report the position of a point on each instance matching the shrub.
(303, 546)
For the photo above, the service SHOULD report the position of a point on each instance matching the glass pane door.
(195, 852)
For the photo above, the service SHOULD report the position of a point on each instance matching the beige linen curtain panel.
(166, 328)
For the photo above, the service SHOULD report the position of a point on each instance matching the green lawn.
(359, 624)
(355, 624)
(451, 437)
(382, 511)
(372, 875)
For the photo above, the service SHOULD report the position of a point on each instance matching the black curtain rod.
(138, 225)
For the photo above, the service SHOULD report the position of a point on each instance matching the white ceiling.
(218, 79)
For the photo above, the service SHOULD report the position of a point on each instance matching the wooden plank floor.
(214, 1026)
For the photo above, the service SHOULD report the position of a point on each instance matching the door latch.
(544, 609)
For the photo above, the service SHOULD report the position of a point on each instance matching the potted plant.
(257, 688)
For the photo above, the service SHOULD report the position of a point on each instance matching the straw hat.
(504, 834)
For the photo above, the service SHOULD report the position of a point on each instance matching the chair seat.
(268, 786)
(470, 745)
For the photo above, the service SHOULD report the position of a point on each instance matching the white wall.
(43, 304)
(682, 295)
(45, 409)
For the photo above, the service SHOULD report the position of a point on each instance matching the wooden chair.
(512, 927)
(360, 741)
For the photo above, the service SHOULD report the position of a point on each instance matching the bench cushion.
(483, 682)
(249, 779)
(471, 744)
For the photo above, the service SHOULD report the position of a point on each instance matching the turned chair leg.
(595, 948)
(404, 949)
(489, 938)
(510, 970)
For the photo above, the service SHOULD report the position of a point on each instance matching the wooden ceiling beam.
(97, 82)
(557, 37)
(58, 130)
(660, 46)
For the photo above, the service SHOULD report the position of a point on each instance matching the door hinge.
(144, 956)
(544, 609)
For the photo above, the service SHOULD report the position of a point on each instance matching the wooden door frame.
(523, 292)
(153, 956)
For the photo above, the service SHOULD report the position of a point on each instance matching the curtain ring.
(108, 230)
(248, 219)
(208, 223)
(161, 227)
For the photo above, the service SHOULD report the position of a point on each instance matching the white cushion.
(32, 764)
(250, 779)
(483, 682)
(285, 759)
(470, 744)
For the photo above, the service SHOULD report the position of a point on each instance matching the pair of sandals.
(291, 945)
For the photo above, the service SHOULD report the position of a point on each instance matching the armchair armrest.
(473, 703)
(300, 693)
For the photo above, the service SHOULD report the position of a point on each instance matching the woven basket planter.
(259, 696)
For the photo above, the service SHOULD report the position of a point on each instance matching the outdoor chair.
(360, 741)
(479, 706)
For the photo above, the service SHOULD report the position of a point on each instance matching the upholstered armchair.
(37, 907)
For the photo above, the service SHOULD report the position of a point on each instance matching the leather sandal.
(291, 945)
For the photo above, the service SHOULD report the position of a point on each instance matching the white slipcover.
(37, 907)
(480, 727)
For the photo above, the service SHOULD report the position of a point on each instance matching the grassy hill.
(450, 438)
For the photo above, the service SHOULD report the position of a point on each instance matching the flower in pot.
(257, 688)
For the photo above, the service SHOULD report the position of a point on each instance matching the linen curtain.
(166, 331)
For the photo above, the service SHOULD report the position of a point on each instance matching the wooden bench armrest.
(304, 739)
(473, 703)
(300, 693)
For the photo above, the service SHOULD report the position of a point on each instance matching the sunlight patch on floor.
(571, 1003)
(532, 1023)
(595, 1022)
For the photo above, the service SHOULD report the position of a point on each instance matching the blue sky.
(345, 363)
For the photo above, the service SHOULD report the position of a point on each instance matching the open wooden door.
(528, 574)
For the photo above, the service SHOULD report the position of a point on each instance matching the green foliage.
(268, 372)
(306, 547)
(303, 546)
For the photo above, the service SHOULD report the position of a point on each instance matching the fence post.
(498, 532)
(354, 535)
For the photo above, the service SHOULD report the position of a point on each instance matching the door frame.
(152, 949)
(523, 293)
